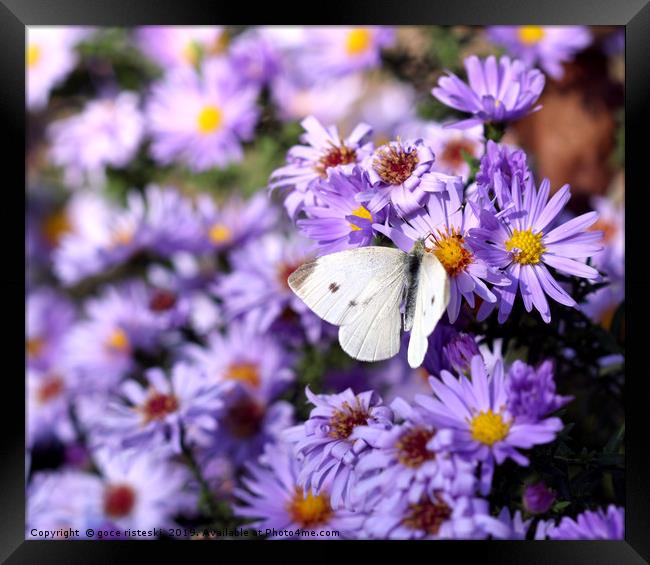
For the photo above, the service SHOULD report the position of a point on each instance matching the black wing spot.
(333, 287)
(433, 299)
(353, 303)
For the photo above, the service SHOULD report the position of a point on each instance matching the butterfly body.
(363, 291)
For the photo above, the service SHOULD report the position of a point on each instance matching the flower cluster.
(177, 176)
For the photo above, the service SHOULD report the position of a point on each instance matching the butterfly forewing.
(332, 284)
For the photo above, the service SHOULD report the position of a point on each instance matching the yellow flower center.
(247, 373)
(531, 34)
(219, 234)
(209, 119)
(488, 427)
(33, 55)
(360, 212)
(118, 340)
(358, 41)
(450, 250)
(309, 511)
(528, 246)
(34, 346)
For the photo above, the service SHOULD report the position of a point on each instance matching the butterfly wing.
(432, 298)
(374, 334)
(332, 284)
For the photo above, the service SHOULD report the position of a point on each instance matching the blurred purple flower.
(106, 133)
(334, 51)
(179, 46)
(200, 120)
(164, 413)
(546, 46)
(50, 56)
(257, 288)
(236, 221)
(48, 316)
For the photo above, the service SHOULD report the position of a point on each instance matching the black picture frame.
(15, 15)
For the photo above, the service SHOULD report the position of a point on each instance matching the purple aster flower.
(337, 220)
(498, 91)
(201, 119)
(518, 241)
(449, 145)
(48, 315)
(401, 464)
(107, 133)
(236, 222)
(50, 58)
(595, 525)
(473, 419)
(335, 51)
(158, 485)
(179, 46)
(279, 505)
(436, 516)
(330, 444)
(165, 412)
(531, 392)
(546, 46)
(443, 225)
(507, 161)
(395, 172)
(257, 288)
(322, 149)
(538, 498)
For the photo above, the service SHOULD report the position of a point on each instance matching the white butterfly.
(362, 290)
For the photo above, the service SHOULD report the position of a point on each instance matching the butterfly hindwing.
(374, 334)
